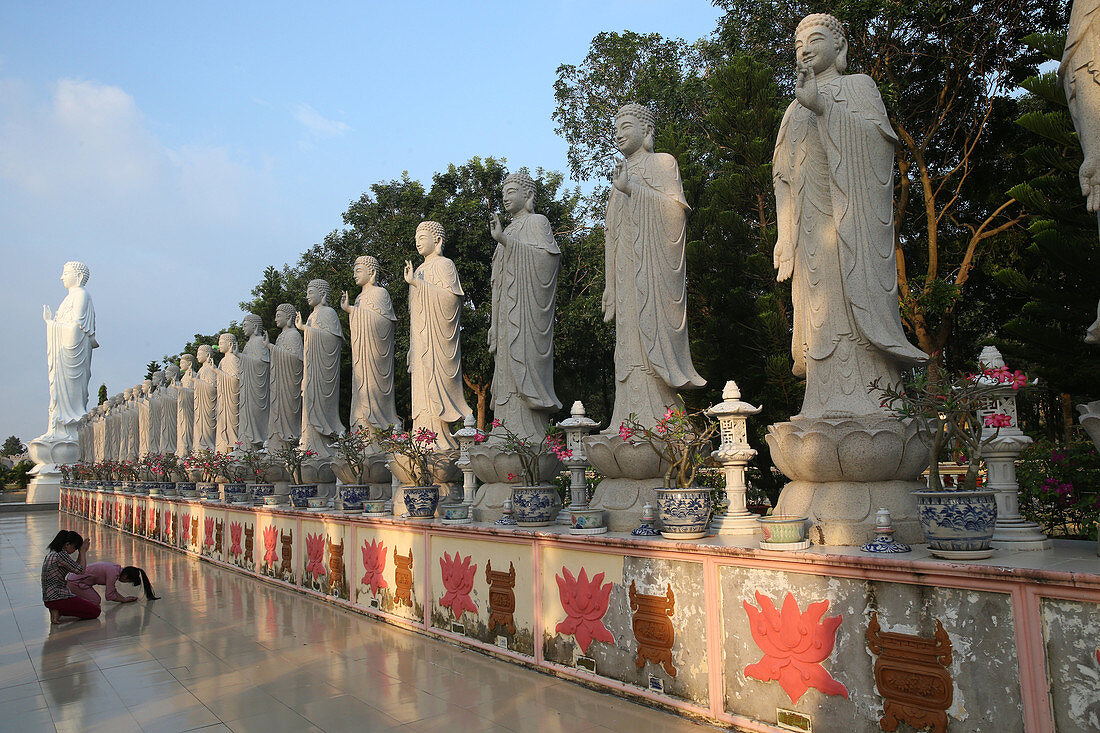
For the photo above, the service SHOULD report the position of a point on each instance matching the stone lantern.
(580, 518)
(467, 437)
(734, 455)
(1012, 532)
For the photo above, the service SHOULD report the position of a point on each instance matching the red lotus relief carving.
(152, 519)
(585, 602)
(167, 523)
(374, 563)
(794, 645)
(458, 579)
(208, 531)
(235, 530)
(270, 540)
(315, 555)
(185, 528)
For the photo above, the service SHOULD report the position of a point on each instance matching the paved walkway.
(221, 651)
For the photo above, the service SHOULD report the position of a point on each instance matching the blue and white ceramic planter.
(534, 506)
(421, 501)
(300, 494)
(187, 489)
(259, 491)
(208, 491)
(958, 524)
(374, 507)
(684, 513)
(233, 493)
(352, 496)
(145, 487)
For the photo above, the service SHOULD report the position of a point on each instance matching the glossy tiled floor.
(221, 651)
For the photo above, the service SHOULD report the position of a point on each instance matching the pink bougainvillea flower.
(374, 563)
(585, 603)
(235, 539)
(315, 554)
(270, 537)
(794, 643)
(208, 529)
(458, 579)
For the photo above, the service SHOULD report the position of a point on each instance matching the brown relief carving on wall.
(911, 675)
(195, 529)
(286, 551)
(176, 526)
(502, 599)
(336, 566)
(653, 628)
(218, 527)
(403, 576)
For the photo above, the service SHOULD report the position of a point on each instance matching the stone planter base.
(623, 499)
(843, 513)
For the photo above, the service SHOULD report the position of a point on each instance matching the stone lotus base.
(632, 474)
(842, 471)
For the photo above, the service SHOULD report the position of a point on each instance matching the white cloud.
(317, 124)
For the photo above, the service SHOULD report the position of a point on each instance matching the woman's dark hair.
(65, 537)
(130, 574)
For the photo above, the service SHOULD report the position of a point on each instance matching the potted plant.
(254, 464)
(683, 440)
(421, 499)
(535, 501)
(235, 489)
(291, 457)
(355, 466)
(953, 416)
(210, 464)
(180, 471)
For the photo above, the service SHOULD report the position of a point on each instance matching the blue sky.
(179, 148)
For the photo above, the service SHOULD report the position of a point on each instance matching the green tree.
(150, 368)
(13, 446)
(102, 394)
(1055, 291)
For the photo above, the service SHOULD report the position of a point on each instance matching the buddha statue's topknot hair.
(323, 286)
(226, 343)
(640, 111)
(521, 179)
(434, 228)
(829, 21)
(371, 263)
(286, 309)
(253, 318)
(80, 268)
(187, 358)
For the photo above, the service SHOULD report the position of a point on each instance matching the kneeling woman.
(57, 564)
(107, 574)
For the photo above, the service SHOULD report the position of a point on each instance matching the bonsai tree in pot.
(417, 448)
(684, 441)
(956, 415)
(535, 500)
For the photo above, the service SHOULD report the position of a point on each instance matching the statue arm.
(1080, 75)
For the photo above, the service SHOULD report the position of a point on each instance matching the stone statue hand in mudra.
(833, 171)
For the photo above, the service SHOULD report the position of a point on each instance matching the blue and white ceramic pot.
(958, 524)
(145, 487)
(421, 501)
(208, 490)
(233, 493)
(186, 489)
(259, 491)
(534, 506)
(352, 496)
(301, 493)
(684, 513)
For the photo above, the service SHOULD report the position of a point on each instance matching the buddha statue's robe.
(372, 322)
(834, 189)
(169, 399)
(185, 414)
(255, 374)
(435, 355)
(206, 413)
(70, 338)
(521, 331)
(285, 418)
(227, 375)
(323, 339)
(646, 289)
(144, 446)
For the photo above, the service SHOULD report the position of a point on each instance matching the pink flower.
(1019, 379)
(479, 438)
(512, 477)
(998, 420)
(496, 423)
(585, 603)
(624, 432)
(315, 551)
(374, 563)
(458, 579)
(423, 435)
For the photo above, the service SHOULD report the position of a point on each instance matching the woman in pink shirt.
(107, 574)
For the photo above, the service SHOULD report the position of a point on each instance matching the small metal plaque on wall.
(586, 663)
(791, 720)
(457, 628)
